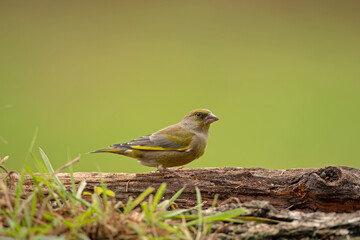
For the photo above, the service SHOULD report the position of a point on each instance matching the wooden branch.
(286, 224)
(329, 189)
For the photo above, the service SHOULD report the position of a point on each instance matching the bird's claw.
(169, 171)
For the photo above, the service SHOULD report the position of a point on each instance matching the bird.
(172, 146)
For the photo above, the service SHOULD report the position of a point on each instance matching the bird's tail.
(109, 150)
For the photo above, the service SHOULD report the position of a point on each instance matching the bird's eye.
(198, 114)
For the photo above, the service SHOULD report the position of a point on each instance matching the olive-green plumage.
(172, 146)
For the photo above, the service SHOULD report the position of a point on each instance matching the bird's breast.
(198, 145)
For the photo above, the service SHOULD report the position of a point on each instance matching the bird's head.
(199, 119)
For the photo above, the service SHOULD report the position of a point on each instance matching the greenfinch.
(173, 146)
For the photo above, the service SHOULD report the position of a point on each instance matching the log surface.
(285, 224)
(328, 189)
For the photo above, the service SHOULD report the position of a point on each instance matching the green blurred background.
(282, 76)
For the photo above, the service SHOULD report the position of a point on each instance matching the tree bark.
(285, 224)
(329, 189)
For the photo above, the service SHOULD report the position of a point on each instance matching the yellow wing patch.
(159, 148)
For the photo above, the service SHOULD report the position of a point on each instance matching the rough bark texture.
(284, 224)
(329, 189)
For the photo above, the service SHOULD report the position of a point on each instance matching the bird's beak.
(211, 118)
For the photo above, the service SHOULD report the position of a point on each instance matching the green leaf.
(158, 196)
(50, 168)
(214, 201)
(46, 161)
(199, 204)
(259, 220)
(145, 208)
(176, 195)
(32, 143)
(138, 200)
(33, 204)
(171, 214)
(166, 226)
(48, 216)
(225, 215)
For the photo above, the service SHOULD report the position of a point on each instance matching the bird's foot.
(162, 169)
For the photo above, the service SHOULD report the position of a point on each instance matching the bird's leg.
(162, 169)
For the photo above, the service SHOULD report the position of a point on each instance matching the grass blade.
(176, 195)
(32, 143)
(225, 215)
(80, 189)
(158, 196)
(46, 161)
(199, 204)
(50, 168)
(138, 200)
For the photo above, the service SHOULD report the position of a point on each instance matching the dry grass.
(75, 214)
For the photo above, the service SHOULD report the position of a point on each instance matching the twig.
(237, 200)
(77, 159)
(221, 230)
(127, 186)
(4, 159)
(185, 228)
(6, 195)
(1, 166)
(326, 236)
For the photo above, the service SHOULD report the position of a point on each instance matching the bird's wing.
(171, 138)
